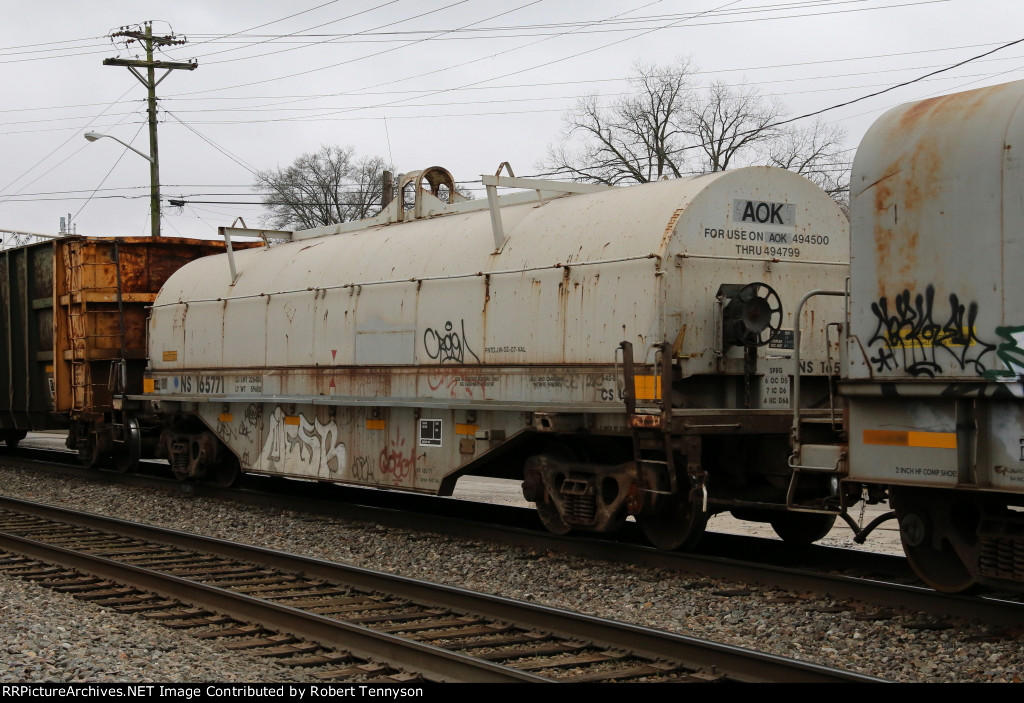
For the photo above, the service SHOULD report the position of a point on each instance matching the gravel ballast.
(49, 636)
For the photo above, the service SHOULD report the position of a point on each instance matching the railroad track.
(351, 623)
(873, 579)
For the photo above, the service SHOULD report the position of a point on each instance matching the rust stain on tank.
(901, 207)
(883, 235)
(959, 106)
(920, 183)
(671, 227)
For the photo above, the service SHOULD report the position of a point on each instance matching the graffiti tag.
(910, 338)
(448, 345)
(314, 445)
(1010, 353)
(362, 470)
(394, 461)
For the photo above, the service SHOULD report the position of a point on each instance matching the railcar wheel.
(802, 528)
(227, 472)
(546, 509)
(90, 456)
(925, 526)
(127, 453)
(12, 438)
(678, 526)
(550, 518)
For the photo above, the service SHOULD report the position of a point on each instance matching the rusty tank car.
(935, 350)
(624, 352)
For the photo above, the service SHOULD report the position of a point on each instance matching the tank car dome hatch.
(577, 274)
(435, 179)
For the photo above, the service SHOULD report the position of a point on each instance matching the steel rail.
(738, 663)
(433, 662)
(990, 610)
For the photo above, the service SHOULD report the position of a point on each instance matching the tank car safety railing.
(804, 262)
(795, 398)
(243, 231)
(796, 463)
(662, 385)
(833, 415)
(628, 390)
(540, 186)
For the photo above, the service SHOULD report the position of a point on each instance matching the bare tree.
(816, 151)
(321, 188)
(728, 126)
(635, 140)
(667, 128)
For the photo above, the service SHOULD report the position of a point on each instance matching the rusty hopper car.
(73, 333)
(935, 351)
(26, 343)
(622, 351)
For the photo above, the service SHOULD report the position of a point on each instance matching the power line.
(550, 29)
(322, 68)
(520, 31)
(899, 85)
(104, 179)
(237, 159)
(267, 24)
(447, 115)
(54, 151)
(743, 69)
(779, 123)
(324, 24)
(501, 101)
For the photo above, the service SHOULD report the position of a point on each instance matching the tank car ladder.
(657, 420)
(825, 459)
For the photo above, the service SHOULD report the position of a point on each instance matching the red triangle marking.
(334, 354)
(332, 383)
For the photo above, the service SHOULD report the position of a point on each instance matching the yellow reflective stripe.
(911, 438)
(291, 419)
(469, 430)
(647, 387)
(376, 425)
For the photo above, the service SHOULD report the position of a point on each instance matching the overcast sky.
(461, 84)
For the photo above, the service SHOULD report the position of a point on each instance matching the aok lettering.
(764, 213)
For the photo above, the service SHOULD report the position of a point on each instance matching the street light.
(154, 177)
(93, 136)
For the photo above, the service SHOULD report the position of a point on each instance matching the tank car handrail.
(795, 398)
(716, 257)
(392, 213)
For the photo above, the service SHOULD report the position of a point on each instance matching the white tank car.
(936, 345)
(531, 335)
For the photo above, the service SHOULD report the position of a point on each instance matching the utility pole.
(147, 39)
